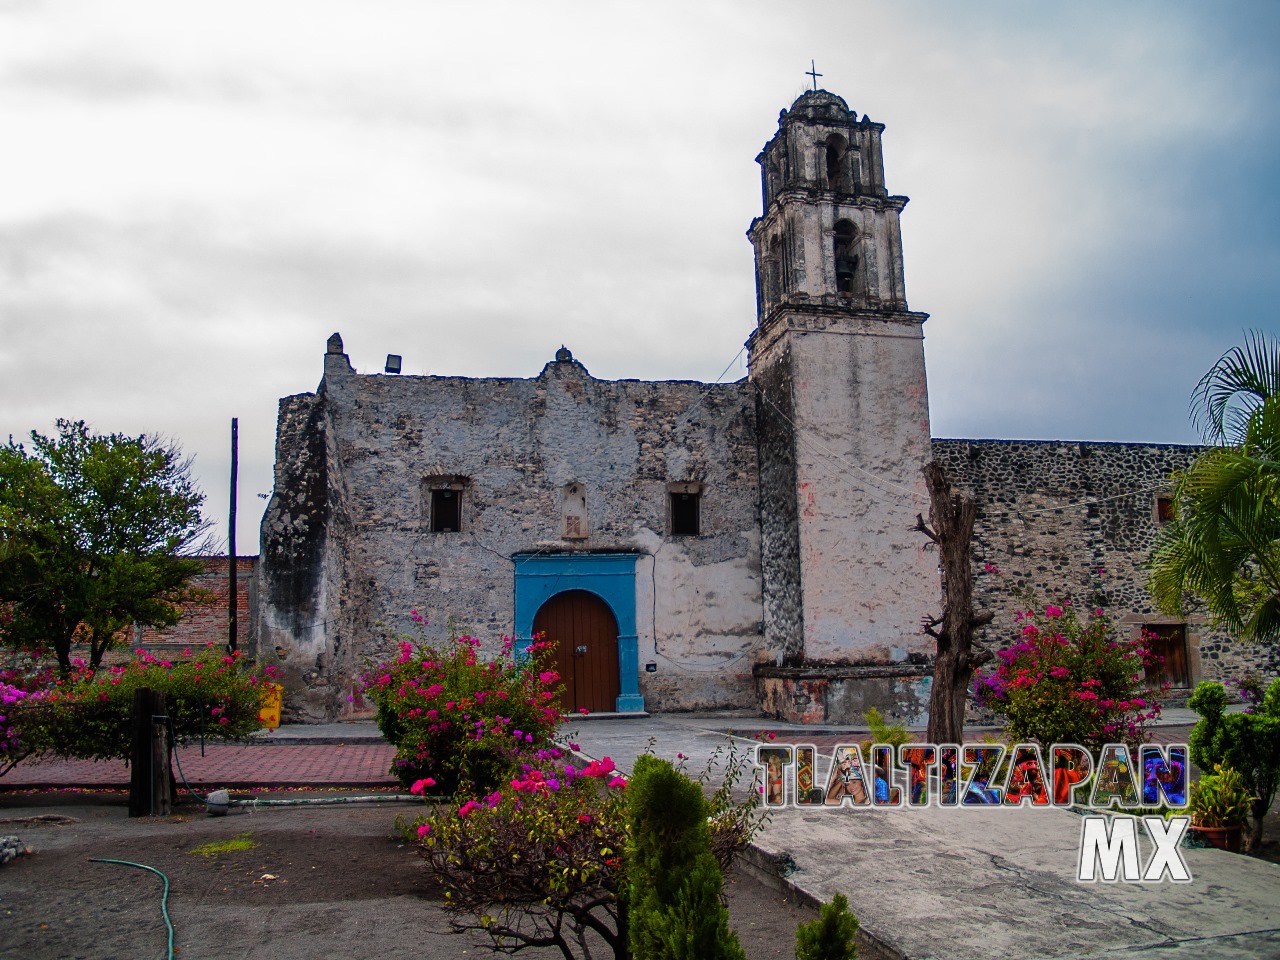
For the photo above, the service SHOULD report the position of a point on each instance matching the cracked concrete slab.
(955, 884)
(981, 883)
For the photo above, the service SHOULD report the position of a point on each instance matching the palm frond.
(1242, 380)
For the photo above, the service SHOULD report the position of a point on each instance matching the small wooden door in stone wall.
(585, 636)
(1168, 640)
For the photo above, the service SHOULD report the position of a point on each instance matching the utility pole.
(233, 598)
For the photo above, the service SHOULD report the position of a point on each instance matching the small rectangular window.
(1164, 509)
(685, 514)
(446, 511)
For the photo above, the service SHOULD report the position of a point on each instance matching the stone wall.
(350, 551)
(779, 513)
(1038, 524)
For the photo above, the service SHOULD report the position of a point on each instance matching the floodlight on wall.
(393, 363)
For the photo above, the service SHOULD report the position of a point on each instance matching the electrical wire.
(164, 899)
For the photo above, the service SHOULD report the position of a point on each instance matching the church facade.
(697, 545)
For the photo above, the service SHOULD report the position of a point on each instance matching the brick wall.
(201, 623)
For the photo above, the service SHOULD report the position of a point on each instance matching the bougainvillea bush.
(87, 714)
(1068, 681)
(542, 859)
(459, 719)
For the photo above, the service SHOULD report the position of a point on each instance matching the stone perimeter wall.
(1030, 529)
(349, 550)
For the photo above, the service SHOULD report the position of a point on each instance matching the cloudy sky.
(196, 195)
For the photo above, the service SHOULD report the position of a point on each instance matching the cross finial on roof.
(813, 72)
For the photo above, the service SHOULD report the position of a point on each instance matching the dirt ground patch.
(320, 882)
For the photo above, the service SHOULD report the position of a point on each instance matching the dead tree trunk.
(951, 519)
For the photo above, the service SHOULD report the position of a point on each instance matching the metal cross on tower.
(813, 72)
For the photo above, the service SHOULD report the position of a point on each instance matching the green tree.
(1222, 548)
(830, 936)
(96, 532)
(676, 913)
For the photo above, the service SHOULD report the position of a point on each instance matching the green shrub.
(1220, 799)
(1248, 743)
(882, 732)
(830, 935)
(675, 881)
(545, 860)
(460, 720)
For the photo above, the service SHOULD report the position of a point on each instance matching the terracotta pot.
(1224, 838)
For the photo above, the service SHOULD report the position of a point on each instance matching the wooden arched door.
(584, 635)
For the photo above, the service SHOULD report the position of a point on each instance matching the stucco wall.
(514, 445)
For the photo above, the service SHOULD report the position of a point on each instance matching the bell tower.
(838, 362)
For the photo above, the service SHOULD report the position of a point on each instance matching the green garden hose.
(164, 900)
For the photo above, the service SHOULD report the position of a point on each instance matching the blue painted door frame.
(611, 577)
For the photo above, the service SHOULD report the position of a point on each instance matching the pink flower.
(465, 810)
(584, 711)
(599, 768)
(990, 568)
(618, 783)
(1052, 611)
(424, 830)
(420, 788)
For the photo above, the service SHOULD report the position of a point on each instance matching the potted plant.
(1219, 808)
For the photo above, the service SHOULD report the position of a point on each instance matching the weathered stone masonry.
(351, 553)
(802, 588)
(1037, 525)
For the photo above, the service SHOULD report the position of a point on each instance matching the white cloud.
(208, 192)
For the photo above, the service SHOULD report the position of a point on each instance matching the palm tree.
(1222, 549)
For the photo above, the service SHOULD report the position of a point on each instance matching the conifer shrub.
(675, 880)
(830, 935)
(1247, 742)
(544, 860)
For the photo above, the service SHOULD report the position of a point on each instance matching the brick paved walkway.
(356, 765)
(304, 765)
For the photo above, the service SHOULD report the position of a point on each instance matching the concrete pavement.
(925, 883)
(972, 884)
